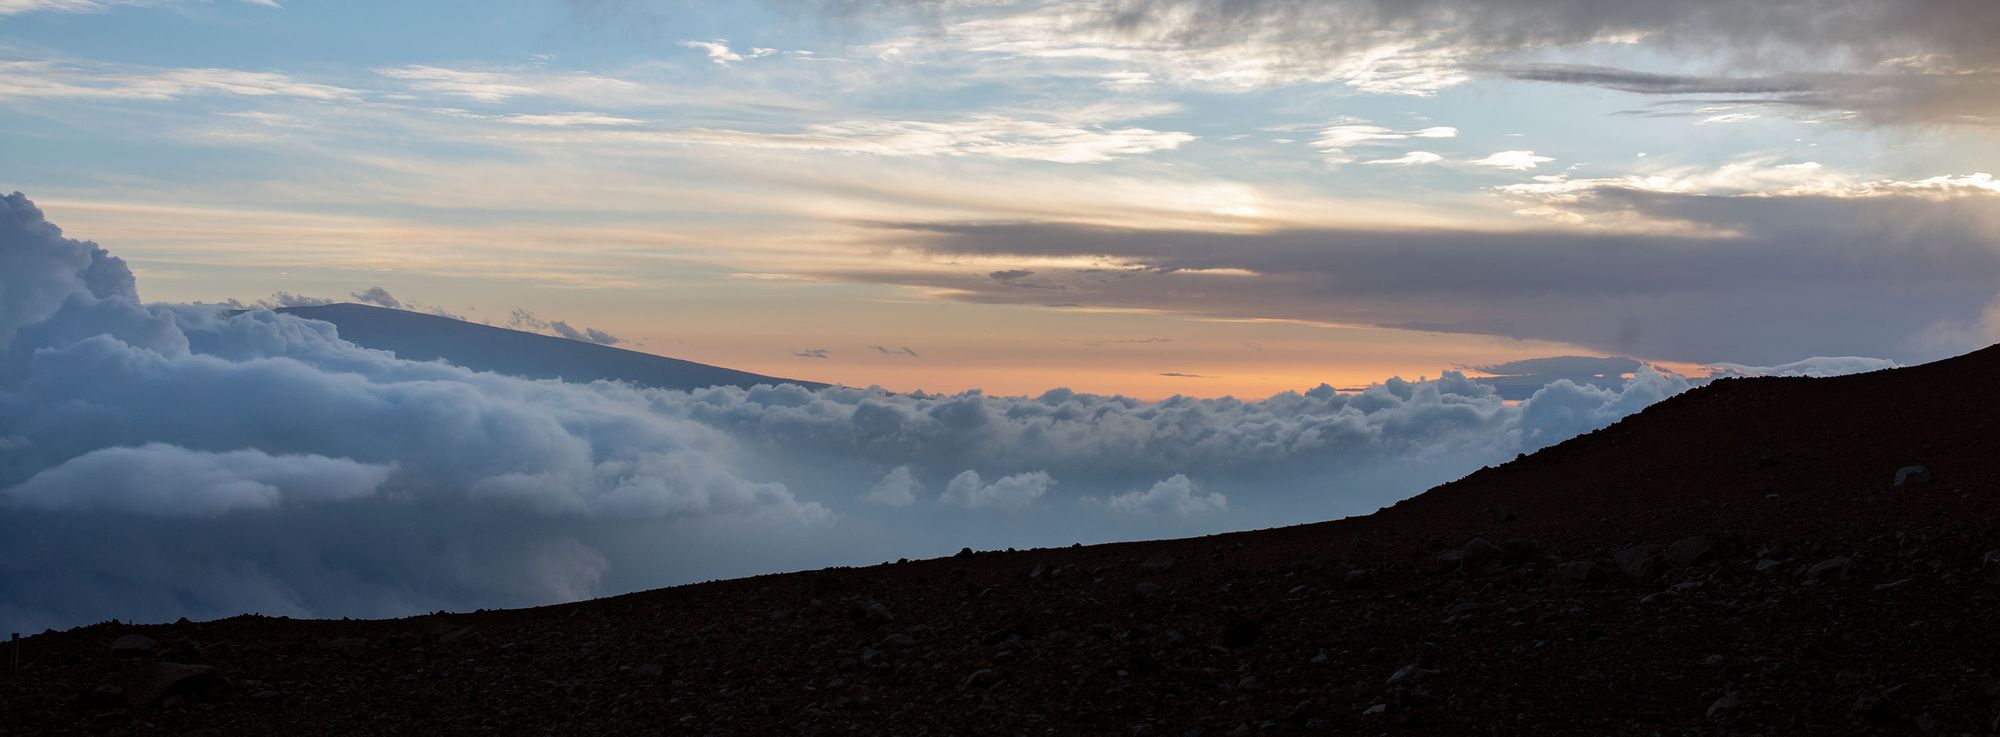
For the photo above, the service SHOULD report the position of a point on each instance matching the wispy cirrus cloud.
(54, 79)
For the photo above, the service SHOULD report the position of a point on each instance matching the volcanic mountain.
(1766, 556)
(420, 337)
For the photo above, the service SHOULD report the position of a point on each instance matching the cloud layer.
(159, 461)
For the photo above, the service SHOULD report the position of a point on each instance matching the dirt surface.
(1737, 560)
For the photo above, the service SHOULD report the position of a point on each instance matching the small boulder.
(1157, 563)
(1835, 567)
(1449, 560)
(1480, 556)
(1637, 561)
(982, 679)
(1582, 571)
(1913, 476)
(1358, 579)
(133, 645)
(1989, 566)
(1691, 551)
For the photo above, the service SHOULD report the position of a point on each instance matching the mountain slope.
(1736, 560)
(422, 337)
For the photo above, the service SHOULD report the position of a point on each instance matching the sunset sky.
(1141, 196)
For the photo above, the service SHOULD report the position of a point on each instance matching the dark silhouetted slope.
(1734, 561)
(422, 337)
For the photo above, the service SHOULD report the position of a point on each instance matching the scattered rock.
(1835, 567)
(1691, 551)
(1480, 557)
(1146, 588)
(1448, 561)
(1989, 566)
(982, 679)
(1158, 564)
(1913, 476)
(1723, 705)
(1637, 561)
(133, 645)
(1357, 579)
(161, 681)
(1582, 571)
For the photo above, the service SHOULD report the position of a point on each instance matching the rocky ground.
(1736, 561)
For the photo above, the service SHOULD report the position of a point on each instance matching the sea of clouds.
(159, 461)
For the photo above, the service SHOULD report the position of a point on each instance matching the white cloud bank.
(159, 461)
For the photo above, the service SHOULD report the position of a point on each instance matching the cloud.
(1889, 93)
(183, 459)
(1521, 379)
(898, 351)
(1335, 141)
(718, 51)
(1181, 375)
(1819, 366)
(521, 319)
(1830, 266)
(1409, 159)
(16, 7)
(159, 461)
(1176, 495)
(813, 353)
(898, 489)
(377, 296)
(481, 86)
(1915, 61)
(569, 119)
(983, 134)
(171, 481)
(1516, 160)
(1009, 494)
(54, 79)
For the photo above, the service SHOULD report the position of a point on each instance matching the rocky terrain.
(1757, 557)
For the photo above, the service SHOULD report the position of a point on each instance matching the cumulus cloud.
(170, 481)
(521, 319)
(377, 296)
(263, 445)
(1516, 160)
(1818, 366)
(898, 489)
(718, 51)
(1176, 495)
(1009, 494)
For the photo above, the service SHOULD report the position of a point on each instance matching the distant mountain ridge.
(421, 337)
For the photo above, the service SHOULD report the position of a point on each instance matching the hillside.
(420, 337)
(1736, 560)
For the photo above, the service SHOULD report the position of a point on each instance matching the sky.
(1146, 197)
(1159, 268)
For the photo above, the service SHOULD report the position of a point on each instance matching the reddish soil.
(1789, 588)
